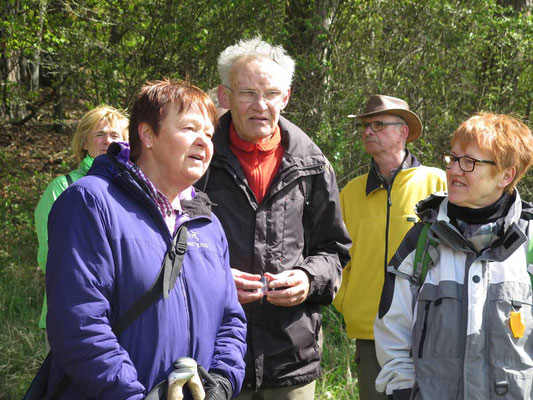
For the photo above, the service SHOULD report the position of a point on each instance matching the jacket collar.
(375, 180)
(86, 164)
(114, 167)
(298, 148)
(434, 210)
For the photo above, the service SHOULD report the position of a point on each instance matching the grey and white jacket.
(450, 338)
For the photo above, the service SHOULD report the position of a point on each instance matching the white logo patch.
(195, 240)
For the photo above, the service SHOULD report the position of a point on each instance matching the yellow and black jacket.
(377, 217)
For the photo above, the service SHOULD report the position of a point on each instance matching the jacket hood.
(106, 164)
(435, 206)
(113, 166)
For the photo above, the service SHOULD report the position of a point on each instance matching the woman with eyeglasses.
(96, 130)
(455, 319)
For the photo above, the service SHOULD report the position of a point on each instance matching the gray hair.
(255, 48)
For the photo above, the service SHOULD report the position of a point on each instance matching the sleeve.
(327, 239)
(230, 342)
(80, 281)
(393, 324)
(51, 193)
(338, 301)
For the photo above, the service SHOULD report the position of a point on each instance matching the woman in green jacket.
(96, 130)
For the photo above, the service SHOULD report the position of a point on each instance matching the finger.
(284, 301)
(248, 297)
(244, 275)
(245, 284)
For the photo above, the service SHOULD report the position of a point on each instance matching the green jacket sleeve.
(51, 193)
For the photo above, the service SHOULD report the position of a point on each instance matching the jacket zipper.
(186, 303)
(389, 204)
(424, 330)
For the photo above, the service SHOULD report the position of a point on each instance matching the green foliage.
(338, 361)
(448, 59)
(21, 283)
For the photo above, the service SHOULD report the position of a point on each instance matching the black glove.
(400, 394)
(217, 387)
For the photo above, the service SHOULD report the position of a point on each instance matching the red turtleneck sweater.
(260, 162)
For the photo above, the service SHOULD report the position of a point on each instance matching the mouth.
(197, 157)
(458, 184)
(259, 119)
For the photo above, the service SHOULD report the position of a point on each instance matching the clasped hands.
(288, 288)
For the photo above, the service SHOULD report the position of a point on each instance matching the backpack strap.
(529, 254)
(166, 280)
(422, 257)
(69, 179)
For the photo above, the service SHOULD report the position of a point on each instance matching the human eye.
(376, 125)
(115, 136)
(247, 95)
(468, 163)
(272, 94)
(99, 134)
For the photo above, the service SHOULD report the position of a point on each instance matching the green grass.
(21, 283)
(23, 179)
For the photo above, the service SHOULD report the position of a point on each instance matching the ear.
(285, 100)
(507, 177)
(404, 132)
(222, 97)
(146, 134)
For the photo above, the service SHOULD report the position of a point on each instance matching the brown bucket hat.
(380, 104)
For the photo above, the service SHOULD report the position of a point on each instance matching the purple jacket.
(107, 241)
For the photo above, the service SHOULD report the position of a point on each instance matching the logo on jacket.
(194, 240)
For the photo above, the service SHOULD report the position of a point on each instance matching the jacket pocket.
(513, 350)
(437, 328)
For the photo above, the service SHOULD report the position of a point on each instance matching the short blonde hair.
(90, 122)
(507, 138)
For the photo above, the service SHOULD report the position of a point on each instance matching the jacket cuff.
(310, 277)
(400, 394)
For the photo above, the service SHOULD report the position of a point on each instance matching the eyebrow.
(111, 133)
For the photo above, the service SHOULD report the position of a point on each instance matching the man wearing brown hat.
(378, 210)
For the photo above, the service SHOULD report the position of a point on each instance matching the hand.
(247, 286)
(220, 390)
(291, 287)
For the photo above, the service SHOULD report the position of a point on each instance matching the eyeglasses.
(376, 126)
(112, 135)
(466, 163)
(251, 96)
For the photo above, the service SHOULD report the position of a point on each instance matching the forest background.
(59, 58)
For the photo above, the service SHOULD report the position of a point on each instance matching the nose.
(203, 138)
(260, 101)
(368, 131)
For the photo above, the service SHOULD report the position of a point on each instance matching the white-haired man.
(277, 198)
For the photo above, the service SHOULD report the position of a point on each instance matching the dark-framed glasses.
(376, 126)
(466, 163)
(251, 96)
